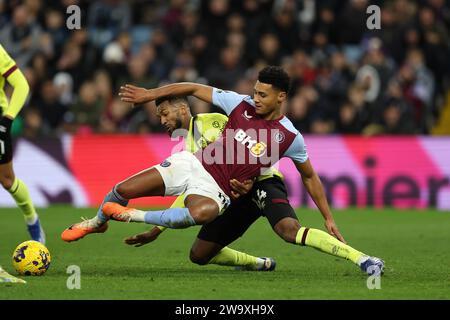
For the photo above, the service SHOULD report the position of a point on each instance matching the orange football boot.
(118, 212)
(80, 230)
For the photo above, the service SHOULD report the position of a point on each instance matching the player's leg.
(290, 230)
(145, 183)
(19, 192)
(180, 173)
(197, 209)
(206, 252)
(174, 176)
(151, 183)
(202, 251)
(284, 222)
(211, 244)
(149, 236)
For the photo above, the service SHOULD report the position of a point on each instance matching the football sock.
(230, 257)
(178, 203)
(175, 218)
(19, 191)
(325, 242)
(112, 196)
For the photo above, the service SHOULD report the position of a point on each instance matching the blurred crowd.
(346, 78)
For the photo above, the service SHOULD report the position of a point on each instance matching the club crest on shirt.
(279, 137)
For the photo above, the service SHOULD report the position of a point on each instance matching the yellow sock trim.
(325, 242)
(230, 257)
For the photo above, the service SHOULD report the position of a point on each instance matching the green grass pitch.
(414, 244)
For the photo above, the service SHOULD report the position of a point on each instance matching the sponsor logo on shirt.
(165, 164)
(247, 116)
(257, 149)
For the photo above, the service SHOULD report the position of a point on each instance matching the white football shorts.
(183, 173)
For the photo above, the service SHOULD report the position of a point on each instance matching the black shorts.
(268, 198)
(5, 145)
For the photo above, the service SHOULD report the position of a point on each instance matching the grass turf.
(414, 245)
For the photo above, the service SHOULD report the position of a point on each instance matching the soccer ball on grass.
(31, 258)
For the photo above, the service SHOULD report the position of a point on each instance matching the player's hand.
(333, 230)
(240, 188)
(140, 239)
(136, 95)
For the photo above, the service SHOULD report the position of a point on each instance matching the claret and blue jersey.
(249, 144)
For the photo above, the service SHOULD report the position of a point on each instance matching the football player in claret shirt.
(8, 111)
(256, 136)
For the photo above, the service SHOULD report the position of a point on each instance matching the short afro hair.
(275, 76)
(171, 100)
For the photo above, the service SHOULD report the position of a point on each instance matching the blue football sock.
(112, 196)
(175, 218)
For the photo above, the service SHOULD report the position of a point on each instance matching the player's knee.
(6, 180)
(198, 259)
(287, 229)
(123, 190)
(203, 214)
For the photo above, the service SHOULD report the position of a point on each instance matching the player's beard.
(176, 132)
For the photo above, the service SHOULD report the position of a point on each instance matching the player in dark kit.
(257, 135)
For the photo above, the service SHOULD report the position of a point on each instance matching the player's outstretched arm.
(314, 186)
(133, 94)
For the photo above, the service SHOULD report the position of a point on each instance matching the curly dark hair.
(275, 76)
(171, 100)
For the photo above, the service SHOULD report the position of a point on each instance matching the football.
(31, 258)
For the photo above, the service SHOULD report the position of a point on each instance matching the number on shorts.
(2, 147)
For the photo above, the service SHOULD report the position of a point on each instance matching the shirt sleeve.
(227, 100)
(297, 150)
(20, 94)
(7, 64)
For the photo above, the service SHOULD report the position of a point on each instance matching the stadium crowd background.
(346, 78)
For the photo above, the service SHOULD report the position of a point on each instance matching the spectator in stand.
(21, 37)
(106, 19)
(344, 75)
(86, 112)
(397, 118)
(227, 72)
(348, 122)
(49, 105)
(299, 113)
